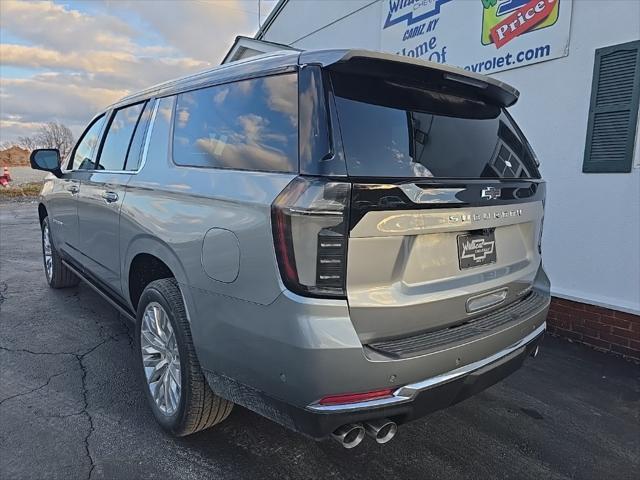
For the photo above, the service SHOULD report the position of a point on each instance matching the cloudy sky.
(65, 60)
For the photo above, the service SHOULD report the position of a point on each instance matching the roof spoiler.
(457, 80)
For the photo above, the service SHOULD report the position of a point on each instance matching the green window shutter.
(613, 113)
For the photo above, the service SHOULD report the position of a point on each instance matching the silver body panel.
(415, 283)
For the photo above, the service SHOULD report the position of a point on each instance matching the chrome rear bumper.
(409, 392)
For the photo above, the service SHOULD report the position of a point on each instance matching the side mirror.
(46, 159)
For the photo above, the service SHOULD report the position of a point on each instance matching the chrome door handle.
(73, 189)
(110, 197)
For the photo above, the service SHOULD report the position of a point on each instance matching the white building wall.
(592, 224)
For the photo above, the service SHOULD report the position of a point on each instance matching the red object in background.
(6, 177)
(521, 20)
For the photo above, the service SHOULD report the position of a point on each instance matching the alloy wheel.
(161, 358)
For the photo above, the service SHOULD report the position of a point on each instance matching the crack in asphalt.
(45, 384)
(85, 398)
(3, 289)
(26, 350)
(85, 411)
(75, 354)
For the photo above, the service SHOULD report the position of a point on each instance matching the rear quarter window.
(248, 125)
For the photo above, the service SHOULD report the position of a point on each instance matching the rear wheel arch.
(144, 269)
(148, 259)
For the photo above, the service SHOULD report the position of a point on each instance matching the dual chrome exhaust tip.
(381, 430)
(350, 435)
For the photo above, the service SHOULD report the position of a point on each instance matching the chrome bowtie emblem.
(490, 193)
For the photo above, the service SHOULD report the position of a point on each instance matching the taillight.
(309, 220)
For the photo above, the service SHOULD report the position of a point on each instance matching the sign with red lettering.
(522, 20)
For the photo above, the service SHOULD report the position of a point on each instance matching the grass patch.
(26, 190)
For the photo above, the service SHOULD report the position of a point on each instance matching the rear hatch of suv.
(446, 204)
(419, 200)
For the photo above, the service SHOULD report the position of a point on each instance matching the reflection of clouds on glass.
(244, 156)
(117, 124)
(279, 90)
(252, 125)
(244, 88)
(239, 125)
(189, 98)
(92, 142)
(166, 113)
(308, 123)
(183, 117)
(255, 129)
(89, 140)
(247, 147)
(125, 117)
(219, 97)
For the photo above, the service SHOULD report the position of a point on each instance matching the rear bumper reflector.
(356, 397)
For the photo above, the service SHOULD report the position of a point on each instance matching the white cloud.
(86, 56)
(200, 29)
(46, 97)
(64, 29)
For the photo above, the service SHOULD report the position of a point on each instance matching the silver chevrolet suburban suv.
(340, 240)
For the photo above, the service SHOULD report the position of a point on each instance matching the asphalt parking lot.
(71, 406)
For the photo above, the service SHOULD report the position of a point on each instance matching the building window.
(613, 113)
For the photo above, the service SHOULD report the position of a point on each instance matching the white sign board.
(483, 36)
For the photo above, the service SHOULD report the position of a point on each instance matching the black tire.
(198, 408)
(60, 276)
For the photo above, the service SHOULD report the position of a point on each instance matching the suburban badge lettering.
(477, 217)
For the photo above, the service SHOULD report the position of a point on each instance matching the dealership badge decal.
(476, 249)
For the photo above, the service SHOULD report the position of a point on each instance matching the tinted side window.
(118, 137)
(250, 124)
(135, 149)
(158, 150)
(83, 154)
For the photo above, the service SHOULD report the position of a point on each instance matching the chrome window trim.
(147, 138)
(409, 392)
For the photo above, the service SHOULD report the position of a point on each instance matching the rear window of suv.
(248, 125)
(391, 128)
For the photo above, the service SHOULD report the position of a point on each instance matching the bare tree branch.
(50, 135)
(55, 135)
(28, 143)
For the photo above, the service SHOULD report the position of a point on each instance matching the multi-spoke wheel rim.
(46, 251)
(161, 358)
